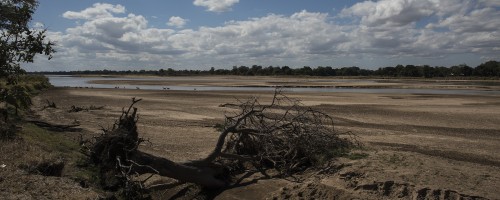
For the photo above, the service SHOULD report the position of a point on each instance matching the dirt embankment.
(415, 146)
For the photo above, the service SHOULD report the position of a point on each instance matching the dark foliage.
(18, 42)
(488, 69)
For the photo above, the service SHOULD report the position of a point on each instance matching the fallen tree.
(282, 135)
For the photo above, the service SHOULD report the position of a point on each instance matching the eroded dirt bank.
(417, 145)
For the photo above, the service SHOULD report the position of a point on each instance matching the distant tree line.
(487, 69)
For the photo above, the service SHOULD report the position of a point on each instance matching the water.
(75, 81)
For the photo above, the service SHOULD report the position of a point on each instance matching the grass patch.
(50, 141)
(77, 165)
(356, 156)
(396, 159)
(87, 175)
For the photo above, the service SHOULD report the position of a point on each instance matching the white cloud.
(216, 5)
(490, 3)
(38, 25)
(391, 12)
(98, 10)
(303, 38)
(389, 27)
(479, 20)
(177, 22)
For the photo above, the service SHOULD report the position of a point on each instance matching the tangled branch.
(283, 134)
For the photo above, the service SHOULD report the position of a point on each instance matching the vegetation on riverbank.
(15, 98)
(38, 163)
(19, 44)
(490, 69)
(32, 84)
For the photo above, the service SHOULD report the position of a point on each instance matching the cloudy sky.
(199, 34)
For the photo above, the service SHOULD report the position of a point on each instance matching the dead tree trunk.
(282, 134)
(116, 150)
(202, 175)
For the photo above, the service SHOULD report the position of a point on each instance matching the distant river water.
(76, 81)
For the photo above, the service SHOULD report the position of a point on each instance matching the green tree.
(411, 71)
(488, 69)
(461, 70)
(18, 44)
(17, 96)
(161, 72)
(171, 72)
(306, 70)
(285, 70)
(349, 71)
(243, 70)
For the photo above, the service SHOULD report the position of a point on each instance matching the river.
(77, 81)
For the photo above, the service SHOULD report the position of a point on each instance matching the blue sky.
(159, 11)
(199, 34)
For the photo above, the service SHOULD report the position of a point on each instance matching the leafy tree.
(427, 71)
(306, 70)
(461, 70)
(441, 72)
(18, 44)
(466, 70)
(285, 70)
(349, 71)
(244, 70)
(488, 69)
(17, 96)
(386, 71)
(411, 71)
(170, 72)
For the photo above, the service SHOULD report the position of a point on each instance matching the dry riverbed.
(415, 145)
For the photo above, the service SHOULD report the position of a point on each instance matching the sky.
(199, 34)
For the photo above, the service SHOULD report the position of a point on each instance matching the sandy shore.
(417, 145)
(264, 81)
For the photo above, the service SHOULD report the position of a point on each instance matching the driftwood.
(50, 104)
(83, 108)
(56, 127)
(283, 135)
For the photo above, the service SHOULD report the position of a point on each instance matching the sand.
(417, 145)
